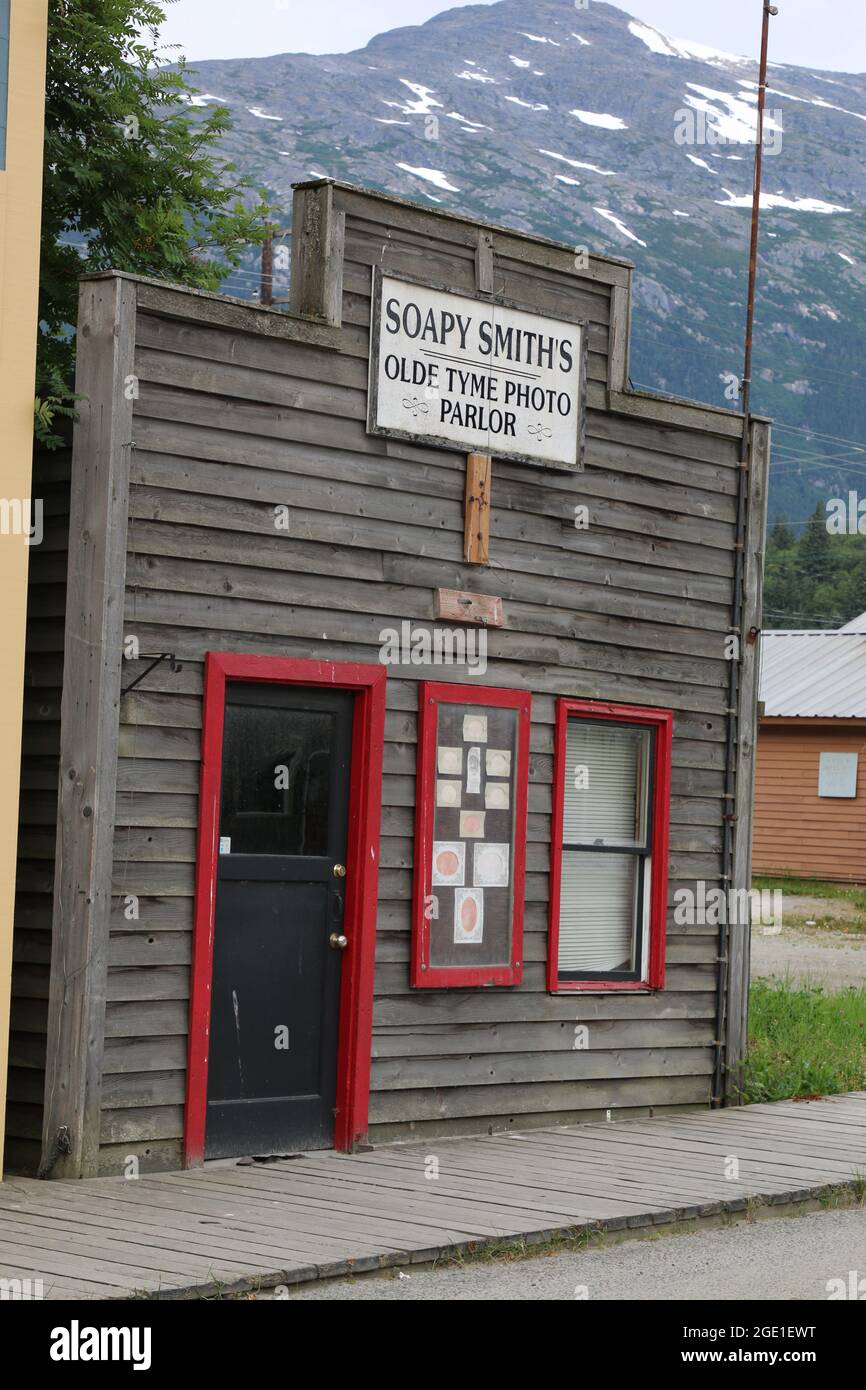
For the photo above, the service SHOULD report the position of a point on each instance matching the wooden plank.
(178, 301)
(484, 262)
(461, 606)
(91, 694)
(546, 1068)
(471, 1039)
(477, 502)
(528, 248)
(620, 326)
(318, 235)
(739, 936)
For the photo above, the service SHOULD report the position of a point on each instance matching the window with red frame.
(609, 850)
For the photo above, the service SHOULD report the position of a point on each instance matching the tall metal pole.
(756, 216)
(727, 1077)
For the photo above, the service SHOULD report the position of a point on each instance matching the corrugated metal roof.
(814, 674)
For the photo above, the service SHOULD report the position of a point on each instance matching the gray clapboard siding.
(399, 1131)
(244, 410)
(428, 1103)
(564, 1065)
(454, 1009)
(471, 1039)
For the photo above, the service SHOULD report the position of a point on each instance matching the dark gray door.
(279, 919)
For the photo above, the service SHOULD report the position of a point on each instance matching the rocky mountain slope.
(590, 127)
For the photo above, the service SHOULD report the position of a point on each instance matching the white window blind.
(598, 911)
(605, 784)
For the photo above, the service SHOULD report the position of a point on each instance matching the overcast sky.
(829, 34)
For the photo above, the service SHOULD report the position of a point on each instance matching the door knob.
(339, 871)
(337, 941)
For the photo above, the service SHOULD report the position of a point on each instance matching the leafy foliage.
(816, 579)
(131, 182)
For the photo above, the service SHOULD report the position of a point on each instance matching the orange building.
(810, 790)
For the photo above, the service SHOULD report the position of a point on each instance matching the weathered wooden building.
(343, 822)
(810, 765)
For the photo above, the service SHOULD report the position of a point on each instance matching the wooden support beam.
(318, 239)
(89, 728)
(476, 532)
(484, 262)
(737, 1013)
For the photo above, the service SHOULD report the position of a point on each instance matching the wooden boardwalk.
(239, 1226)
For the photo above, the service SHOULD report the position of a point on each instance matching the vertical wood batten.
(620, 327)
(316, 287)
(89, 726)
(739, 935)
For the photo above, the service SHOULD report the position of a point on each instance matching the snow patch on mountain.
(667, 47)
(201, 98)
(434, 176)
(777, 200)
(465, 121)
(652, 38)
(738, 124)
(424, 103)
(530, 105)
(619, 224)
(600, 118)
(577, 163)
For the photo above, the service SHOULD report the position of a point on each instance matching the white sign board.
(475, 375)
(837, 774)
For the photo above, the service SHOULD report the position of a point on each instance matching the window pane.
(275, 780)
(475, 796)
(606, 779)
(598, 911)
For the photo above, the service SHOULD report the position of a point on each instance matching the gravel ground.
(811, 955)
(777, 1258)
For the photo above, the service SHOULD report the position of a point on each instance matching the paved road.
(786, 1258)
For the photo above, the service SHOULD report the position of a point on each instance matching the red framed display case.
(470, 836)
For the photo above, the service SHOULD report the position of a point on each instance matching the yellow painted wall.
(20, 201)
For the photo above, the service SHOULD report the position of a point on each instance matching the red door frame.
(661, 721)
(362, 875)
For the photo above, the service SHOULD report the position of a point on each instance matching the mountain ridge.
(594, 129)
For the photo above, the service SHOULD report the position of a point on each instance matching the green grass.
(814, 888)
(803, 1042)
(851, 893)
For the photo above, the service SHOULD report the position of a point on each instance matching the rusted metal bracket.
(173, 665)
